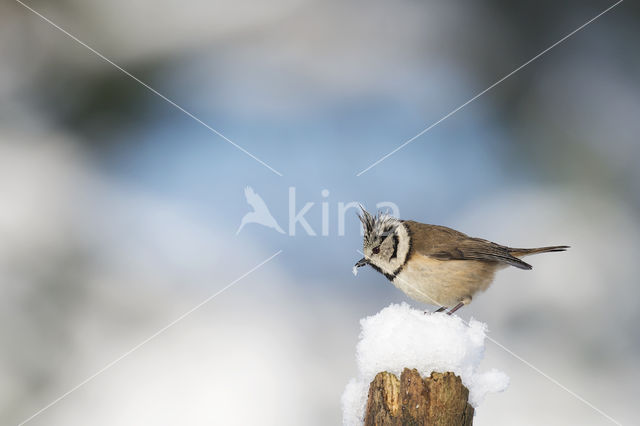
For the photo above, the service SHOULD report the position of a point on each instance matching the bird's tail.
(525, 252)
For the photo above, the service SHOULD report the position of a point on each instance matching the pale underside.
(444, 282)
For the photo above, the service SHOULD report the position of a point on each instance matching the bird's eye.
(376, 250)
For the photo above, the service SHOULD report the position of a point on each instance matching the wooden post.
(439, 400)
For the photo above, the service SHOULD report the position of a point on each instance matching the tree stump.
(440, 400)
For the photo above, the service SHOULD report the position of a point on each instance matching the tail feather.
(524, 252)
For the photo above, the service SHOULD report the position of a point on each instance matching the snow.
(400, 337)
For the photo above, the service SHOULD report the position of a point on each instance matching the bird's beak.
(361, 262)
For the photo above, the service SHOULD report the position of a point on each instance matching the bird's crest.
(381, 225)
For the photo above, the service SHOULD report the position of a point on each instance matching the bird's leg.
(455, 308)
(463, 302)
(440, 309)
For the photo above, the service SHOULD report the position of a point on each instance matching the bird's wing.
(440, 242)
(254, 199)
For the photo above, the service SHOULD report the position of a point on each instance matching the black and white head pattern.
(386, 242)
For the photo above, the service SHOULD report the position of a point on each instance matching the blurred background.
(118, 212)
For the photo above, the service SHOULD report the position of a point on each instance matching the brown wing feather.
(440, 242)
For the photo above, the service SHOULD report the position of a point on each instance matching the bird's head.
(385, 242)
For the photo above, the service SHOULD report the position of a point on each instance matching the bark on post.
(439, 400)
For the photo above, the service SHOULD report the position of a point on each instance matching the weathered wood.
(439, 400)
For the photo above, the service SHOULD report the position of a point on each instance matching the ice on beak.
(358, 264)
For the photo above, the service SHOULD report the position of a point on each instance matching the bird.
(260, 213)
(434, 264)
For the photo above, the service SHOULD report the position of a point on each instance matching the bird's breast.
(443, 282)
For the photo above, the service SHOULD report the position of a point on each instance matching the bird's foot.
(440, 309)
(455, 308)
